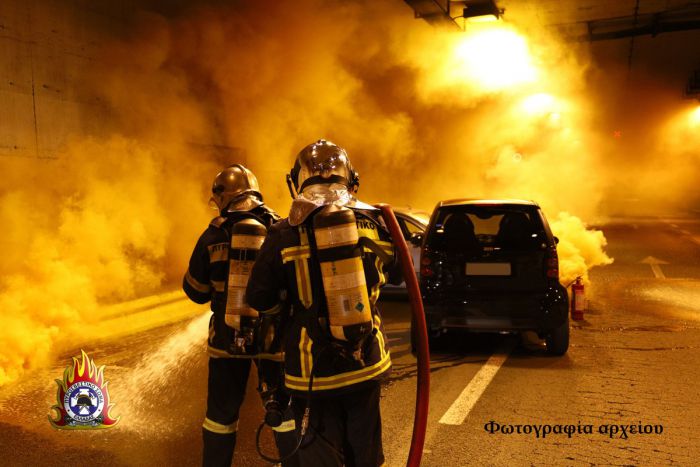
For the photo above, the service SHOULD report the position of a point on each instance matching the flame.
(538, 104)
(485, 59)
(84, 370)
(695, 116)
(496, 58)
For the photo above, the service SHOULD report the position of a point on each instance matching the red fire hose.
(420, 419)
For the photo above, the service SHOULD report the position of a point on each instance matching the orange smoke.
(502, 110)
(94, 228)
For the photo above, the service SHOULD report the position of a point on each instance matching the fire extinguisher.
(578, 300)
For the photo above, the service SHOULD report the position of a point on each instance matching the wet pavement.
(632, 362)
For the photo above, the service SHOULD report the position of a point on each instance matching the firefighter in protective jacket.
(218, 272)
(329, 258)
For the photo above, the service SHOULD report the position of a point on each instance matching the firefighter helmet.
(322, 162)
(236, 189)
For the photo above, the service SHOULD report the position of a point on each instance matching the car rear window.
(492, 227)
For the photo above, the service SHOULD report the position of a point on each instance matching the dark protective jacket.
(207, 274)
(286, 267)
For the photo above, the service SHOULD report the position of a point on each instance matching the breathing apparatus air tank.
(344, 282)
(247, 237)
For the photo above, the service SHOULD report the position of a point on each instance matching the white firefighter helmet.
(236, 189)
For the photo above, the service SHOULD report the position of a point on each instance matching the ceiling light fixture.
(692, 90)
(482, 10)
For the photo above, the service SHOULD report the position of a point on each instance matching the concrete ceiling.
(658, 34)
(606, 20)
(553, 12)
(590, 19)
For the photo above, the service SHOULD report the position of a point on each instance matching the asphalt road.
(632, 362)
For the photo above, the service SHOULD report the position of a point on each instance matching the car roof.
(416, 214)
(481, 201)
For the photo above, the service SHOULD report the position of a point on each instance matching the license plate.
(488, 269)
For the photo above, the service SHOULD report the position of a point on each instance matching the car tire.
(414, 341)
(558, 339)
(414, 350)
(436, 342)
(433, 341)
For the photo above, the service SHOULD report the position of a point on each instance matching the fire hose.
(420, 419)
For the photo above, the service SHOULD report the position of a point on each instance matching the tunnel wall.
(47, 50)
(44, 48)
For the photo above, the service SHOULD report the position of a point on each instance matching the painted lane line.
(461, 407)
(696, 239)
(655, 268)
(658, 273)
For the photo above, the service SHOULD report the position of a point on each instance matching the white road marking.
(693, 238)
(658, 273)
(675, 226)
(655, 268)
(461, 407)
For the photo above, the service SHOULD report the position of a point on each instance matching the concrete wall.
(45, 47)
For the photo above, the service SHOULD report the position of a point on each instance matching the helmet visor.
(244, 202)
(323, 194)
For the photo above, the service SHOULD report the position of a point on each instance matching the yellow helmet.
(322, 162)
(236, 189)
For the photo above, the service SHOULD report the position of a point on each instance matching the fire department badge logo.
(83, 399)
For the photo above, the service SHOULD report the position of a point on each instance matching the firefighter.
(329, 258)
(217, 272)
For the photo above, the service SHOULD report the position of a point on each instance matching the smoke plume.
(579, 248)
(94, 228)
(425, 114)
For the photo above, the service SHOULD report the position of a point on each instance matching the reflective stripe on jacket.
(205, 279)
(286, 267)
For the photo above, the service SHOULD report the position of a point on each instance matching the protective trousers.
(345, 430)
(228, 378)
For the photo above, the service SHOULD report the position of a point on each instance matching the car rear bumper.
(539, 312)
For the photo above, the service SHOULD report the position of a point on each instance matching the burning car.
(492, 265)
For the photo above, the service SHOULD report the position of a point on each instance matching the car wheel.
(433, 341)
(436, 341)
(558, 340)
(414, 341)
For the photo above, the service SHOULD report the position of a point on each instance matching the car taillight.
(425, 266)
(553, 266)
